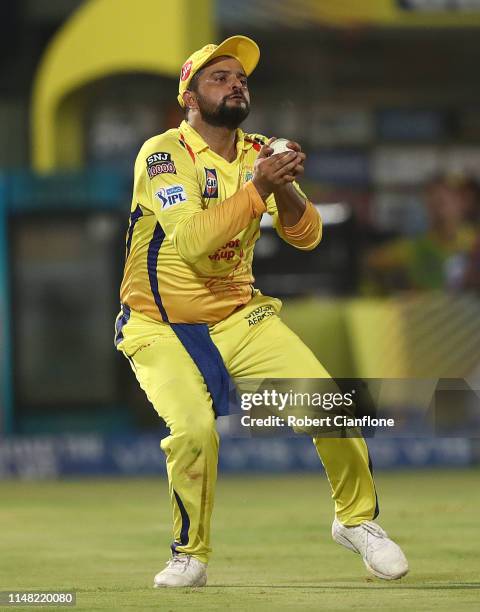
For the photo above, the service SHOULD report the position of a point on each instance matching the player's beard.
(223, 115)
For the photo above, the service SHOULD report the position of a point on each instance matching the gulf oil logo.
(211, 183)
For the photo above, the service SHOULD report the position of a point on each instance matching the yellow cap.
(244, 49)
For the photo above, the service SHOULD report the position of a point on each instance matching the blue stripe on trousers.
(196, 339)
(370, 467)
(184, 539)
(121, 322)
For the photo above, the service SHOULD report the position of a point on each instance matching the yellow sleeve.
(198, 233)
(307, 233)
(176, 200)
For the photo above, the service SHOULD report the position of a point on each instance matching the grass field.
(105, 539)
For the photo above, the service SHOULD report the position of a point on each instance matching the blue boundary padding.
(55, 456)
(6, 370)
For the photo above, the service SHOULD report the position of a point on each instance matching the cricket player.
(190, 317)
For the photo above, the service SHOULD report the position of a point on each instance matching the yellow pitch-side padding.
(106, 37)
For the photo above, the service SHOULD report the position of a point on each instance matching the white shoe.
(381, 555)
(182, 571)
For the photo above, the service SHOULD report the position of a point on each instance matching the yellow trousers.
(254, 344)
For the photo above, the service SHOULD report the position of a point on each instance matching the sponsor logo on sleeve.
(211, 183)
(169, 196)
(160, 163)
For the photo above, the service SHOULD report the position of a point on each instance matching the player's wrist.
(283, 188)
(263, 192)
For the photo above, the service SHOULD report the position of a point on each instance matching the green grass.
(105, 539)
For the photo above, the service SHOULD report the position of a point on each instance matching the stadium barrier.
(50, 457)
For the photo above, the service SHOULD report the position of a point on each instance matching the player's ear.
(189, 99)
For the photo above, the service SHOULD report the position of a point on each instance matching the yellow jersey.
(195, 218)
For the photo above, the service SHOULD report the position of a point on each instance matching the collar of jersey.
(198, 144)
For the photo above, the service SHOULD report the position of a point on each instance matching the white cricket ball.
(279, 146)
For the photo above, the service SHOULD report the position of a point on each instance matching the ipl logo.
(211, 183)
(170, 196)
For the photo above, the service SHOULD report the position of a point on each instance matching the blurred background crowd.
(388, 116)
(383, 98)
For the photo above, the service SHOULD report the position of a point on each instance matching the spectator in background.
(471, 194)
(436, 259)
(472, 273)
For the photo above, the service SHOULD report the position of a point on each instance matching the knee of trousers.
(195, 433)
